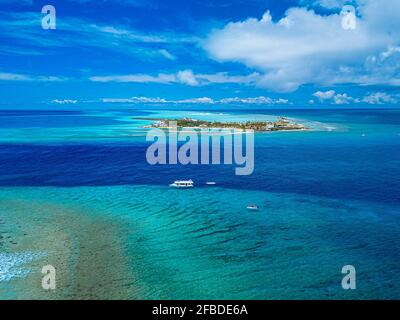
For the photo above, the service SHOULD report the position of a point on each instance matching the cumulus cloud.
(332, 97)
(380, 98)
(256, 100)
(186, 77)
(203, 100)
(304, 47)
(343, 98)
(324, 95)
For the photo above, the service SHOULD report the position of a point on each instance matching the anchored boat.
(253, 207)
(182, 184)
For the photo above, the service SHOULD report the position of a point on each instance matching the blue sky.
(184, 52)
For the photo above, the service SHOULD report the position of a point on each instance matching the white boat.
(182, 184)
(211, 183)
(253, 207)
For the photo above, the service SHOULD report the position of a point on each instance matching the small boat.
(211, 183)
(182, 184)
(253, 207)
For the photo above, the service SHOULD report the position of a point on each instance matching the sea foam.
(12, 264)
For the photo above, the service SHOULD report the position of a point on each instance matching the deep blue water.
(324, 168)
(361, 162)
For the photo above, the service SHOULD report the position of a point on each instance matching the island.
(282, 124)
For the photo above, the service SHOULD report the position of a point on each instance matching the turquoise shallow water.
(83, 198)
(200, 244)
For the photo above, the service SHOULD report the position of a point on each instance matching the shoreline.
(282, 124)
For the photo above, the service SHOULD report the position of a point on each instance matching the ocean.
(76, 192)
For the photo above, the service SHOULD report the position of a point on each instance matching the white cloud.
(13, 77)
(256, 100)
(134, 100)
(166, 54)
(223, 77)
(391, 51)
(120, 33)
(324, 95)
(329, 4)
(380, 98)
(203, 100)
(25, 77)
(186, 77)
(138, 78)
(65, 101)
(282, 101)
(332, 97)
(304, 47)
(343, 98)
(21, 30)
